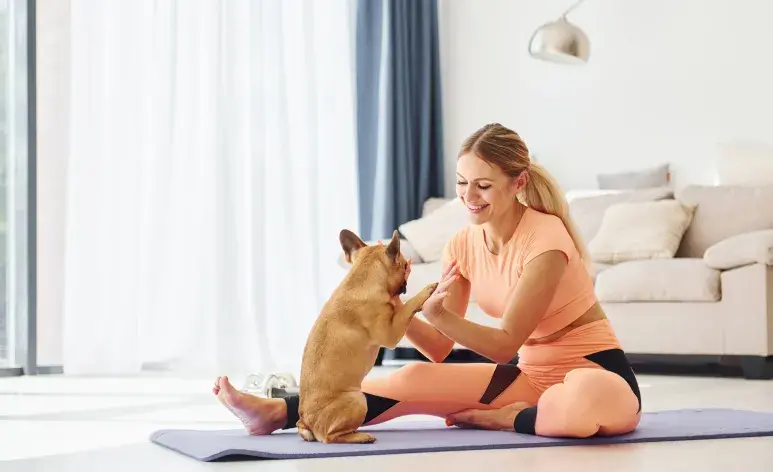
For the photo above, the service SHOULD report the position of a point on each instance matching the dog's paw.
(430, 289)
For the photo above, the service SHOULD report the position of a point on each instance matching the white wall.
(667, 81)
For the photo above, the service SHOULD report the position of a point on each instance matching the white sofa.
(703, 291)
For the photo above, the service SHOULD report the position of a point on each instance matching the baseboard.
(11, 371)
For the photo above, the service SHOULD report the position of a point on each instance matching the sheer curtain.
(211, 166)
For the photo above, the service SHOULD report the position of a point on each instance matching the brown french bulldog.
(358, 319)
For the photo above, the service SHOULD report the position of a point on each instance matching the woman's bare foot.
(260, 416)
(501, 419)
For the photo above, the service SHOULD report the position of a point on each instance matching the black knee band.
(526, 420)
(376, 406)
(293, 403)
(614, 360)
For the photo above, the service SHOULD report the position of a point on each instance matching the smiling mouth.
(476, 208)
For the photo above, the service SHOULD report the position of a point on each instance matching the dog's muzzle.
(404, 288)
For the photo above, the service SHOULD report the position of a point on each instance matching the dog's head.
(387, 257)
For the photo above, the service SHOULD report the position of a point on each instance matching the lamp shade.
(560, 41)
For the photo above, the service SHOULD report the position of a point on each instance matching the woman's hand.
(433, 307)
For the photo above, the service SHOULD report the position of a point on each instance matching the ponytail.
(544, 194)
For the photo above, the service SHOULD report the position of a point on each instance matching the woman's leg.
(599, 398)
(421, 388)
(588, 402)
(442, 389)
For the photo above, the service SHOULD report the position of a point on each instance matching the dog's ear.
(350, 243)
(393, 250)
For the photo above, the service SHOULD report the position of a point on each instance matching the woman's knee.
(589, 401)
(412, 372)
(607, 392)
(407, 378)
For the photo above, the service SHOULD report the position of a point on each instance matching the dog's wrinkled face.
(387, 256)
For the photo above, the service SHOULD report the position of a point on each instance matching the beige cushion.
(744, 163)
(433, 203)
(588, 211)
(657, 176)
(723, 211)
(667, 280)
(597, 267)
(429, 234)
(741, 249)
(640, 230)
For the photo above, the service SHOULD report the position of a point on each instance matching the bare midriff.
(595, 313)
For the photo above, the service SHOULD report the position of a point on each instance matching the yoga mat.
(402, 437)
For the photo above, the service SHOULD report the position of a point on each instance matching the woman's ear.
(522, 180)
(518, 184)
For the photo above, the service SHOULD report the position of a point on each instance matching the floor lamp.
(560, 41)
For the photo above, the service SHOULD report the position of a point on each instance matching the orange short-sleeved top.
(493, 277)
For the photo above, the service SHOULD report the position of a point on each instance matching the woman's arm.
(525, 306)
(429, 340)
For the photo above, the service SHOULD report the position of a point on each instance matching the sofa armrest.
(405, 247)
(753, 247)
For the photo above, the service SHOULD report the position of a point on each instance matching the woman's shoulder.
(539, 223)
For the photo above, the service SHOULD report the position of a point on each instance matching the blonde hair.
(505, 149)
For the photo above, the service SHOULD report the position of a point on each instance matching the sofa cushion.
(657, 176)
(741, 249)
(597, 267)
(744, 163)
(723, 211)
(666, 280)
(433, 203)
(429, 234)
(640, 230)
(588, 211)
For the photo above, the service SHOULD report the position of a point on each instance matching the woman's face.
(485, 189)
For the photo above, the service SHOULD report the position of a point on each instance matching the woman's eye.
(484, 187)
(461, 183)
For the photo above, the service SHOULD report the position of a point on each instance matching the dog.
(358, 319)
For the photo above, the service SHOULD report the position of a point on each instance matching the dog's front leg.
(395, 330)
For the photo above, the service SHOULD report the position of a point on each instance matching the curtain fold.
(399, 112)
(211, 166)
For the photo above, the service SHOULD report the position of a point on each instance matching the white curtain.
(211, 166)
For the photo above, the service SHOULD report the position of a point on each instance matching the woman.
(523, 259)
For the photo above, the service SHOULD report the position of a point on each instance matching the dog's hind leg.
(353, 438)
(305, 432)
(344, 415)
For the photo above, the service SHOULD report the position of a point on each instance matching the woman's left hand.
(433, 307)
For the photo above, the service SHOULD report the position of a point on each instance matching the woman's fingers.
(451, 268)
(446, 282)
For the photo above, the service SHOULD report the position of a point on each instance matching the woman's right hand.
(433, 307)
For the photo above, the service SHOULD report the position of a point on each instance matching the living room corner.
(175, 175)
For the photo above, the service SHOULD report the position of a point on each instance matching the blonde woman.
(524, 261)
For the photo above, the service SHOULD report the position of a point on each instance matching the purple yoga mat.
(433, 436)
